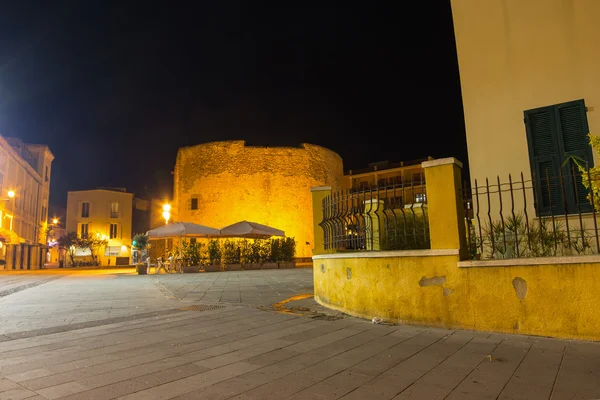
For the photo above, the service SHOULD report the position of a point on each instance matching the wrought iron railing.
(393, 217)
(539, 217)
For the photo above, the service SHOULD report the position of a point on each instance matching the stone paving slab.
(123, 336)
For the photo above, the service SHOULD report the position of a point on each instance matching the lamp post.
(167, 216)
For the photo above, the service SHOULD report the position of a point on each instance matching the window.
(418, 179)
(114, 209)
(194, 203)
(84, 230)
(554, 135)
(112, 251)
(85, 210)
(43, 213)
(113, 231)
(420, 198)
(47, 178)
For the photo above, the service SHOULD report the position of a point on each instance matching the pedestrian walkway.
(184, 337)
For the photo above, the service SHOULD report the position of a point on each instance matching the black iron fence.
(541, 217)
(389, 217)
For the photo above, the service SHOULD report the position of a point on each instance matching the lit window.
(112, 251)
(420, 198)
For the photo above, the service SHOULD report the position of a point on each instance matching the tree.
(93, 242)
(70, 242)
(140, 243)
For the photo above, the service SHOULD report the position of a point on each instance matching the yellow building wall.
(547, 300)
(99, 218)
(516, 55)
(268, 185)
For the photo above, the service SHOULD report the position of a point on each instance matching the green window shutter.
(573, 134)
(543, 156)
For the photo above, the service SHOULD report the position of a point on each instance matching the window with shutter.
(113, 231)
(555, 134)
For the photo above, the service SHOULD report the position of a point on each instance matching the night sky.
(115, 88)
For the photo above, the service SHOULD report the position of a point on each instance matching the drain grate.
(201, 307)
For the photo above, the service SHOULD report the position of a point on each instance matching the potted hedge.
(231, 256)
(266, 256)
(190, 254)
(214, 256)
(252, 254)
(140, 243)
(287, 251)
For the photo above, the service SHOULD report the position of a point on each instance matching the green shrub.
(538, 238)
(406, 231)
(214, 252)
(231, 252)
(288, 249)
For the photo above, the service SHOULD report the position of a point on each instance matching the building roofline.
(44, 146)
(100, 190)
(20, 159)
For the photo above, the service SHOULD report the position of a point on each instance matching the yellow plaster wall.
(268, 185)
(560, 300)
(516, 55)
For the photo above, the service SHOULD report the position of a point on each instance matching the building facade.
(25, 171)
(106, 212)
(220, 183)
(531, 91)
(407, 178)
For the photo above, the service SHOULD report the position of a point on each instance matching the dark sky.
(114, 88)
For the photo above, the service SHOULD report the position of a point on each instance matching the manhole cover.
(201, 307)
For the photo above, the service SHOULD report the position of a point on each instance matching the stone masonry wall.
(268, 185)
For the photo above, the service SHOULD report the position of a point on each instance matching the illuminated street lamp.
(54, 221)
(11, 194)
(166, 213)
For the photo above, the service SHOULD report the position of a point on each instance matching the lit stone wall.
(268, 185)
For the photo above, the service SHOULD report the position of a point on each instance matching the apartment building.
(404, 180)
(25, 171)
(106, 212)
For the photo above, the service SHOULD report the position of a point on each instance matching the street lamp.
(166, 212)
(166, 215)
(11, 194)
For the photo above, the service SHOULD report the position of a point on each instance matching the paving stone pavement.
(114, 334)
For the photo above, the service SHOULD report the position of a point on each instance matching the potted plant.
(266, 256)
(140, 243)
(190, 254)
(252, 255)
(287, 253)
(214, 256)
(231, 256)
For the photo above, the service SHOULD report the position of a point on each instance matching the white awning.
(185, 229)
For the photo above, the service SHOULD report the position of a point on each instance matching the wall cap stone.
(394, 253)
(525, 262)
(320, 188)
(441, 161)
